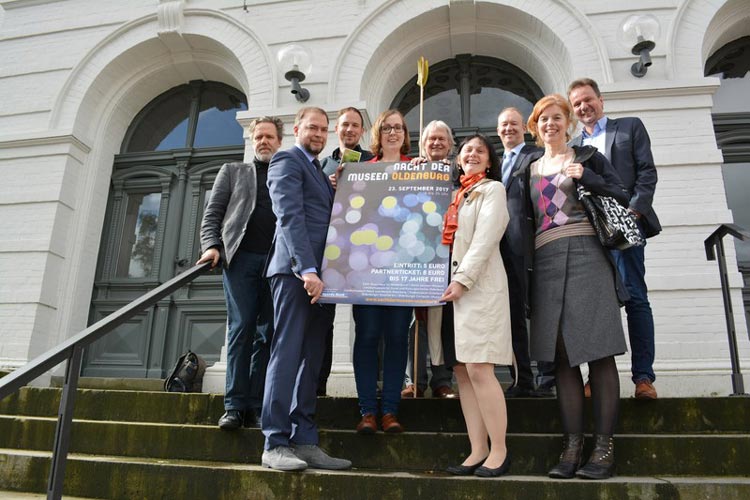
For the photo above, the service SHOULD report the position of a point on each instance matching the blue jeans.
(370, 324)
(249, 330)
(630, 264)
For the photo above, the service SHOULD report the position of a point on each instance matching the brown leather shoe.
(444, 392)
(408, 392)
(390, 424)
(644, 389)
(587, 390)
(368, 424)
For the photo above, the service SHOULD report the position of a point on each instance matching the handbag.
(615, 225)
(187, 374)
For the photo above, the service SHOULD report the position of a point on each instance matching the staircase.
(153, 445)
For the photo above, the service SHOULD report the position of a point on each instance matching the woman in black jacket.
(572, 289)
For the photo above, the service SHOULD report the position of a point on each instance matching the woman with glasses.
(390, 143)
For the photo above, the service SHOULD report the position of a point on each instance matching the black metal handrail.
(715, 251)
(72, 351)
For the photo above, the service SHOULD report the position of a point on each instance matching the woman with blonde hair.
(574, 287)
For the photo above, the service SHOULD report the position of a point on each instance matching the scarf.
(450, 223)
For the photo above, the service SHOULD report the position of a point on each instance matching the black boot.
(570, 458)
(601, 465)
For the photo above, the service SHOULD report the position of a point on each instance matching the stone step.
(685, 454)
(525, 415)
(143, 478)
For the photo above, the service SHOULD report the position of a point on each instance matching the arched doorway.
(160, 183)
(467, 92)
(731, 117)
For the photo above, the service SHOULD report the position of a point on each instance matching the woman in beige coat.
(474, 225)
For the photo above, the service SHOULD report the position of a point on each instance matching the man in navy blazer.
(302, 198)
(625, 143)
(517, 156)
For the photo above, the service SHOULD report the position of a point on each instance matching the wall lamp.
(638, 34)
(295, 62)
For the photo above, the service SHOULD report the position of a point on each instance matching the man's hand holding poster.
(384, 239)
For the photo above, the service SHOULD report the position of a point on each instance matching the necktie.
(507, 165)
(319, 168)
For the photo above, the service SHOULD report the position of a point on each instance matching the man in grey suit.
(625, 143)
(518, 155)
(302, 198)
(237, 229)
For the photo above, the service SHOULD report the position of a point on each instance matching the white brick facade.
(74, 73)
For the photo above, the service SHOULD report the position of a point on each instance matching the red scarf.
(450, 223)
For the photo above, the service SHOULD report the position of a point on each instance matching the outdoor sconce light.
(638, 34)
(294, 60)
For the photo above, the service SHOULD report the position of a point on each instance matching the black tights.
(605, 393)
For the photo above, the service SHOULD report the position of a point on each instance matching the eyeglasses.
(387, 129)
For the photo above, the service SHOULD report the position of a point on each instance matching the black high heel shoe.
(496, 472)
(464, 470)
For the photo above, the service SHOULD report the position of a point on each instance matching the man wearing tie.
(302, 198)
(625, 143)
(511, 128)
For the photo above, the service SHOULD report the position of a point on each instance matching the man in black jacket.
(625, 143)
(517, 155)
(237, 229)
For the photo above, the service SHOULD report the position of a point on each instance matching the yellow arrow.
(422, 71)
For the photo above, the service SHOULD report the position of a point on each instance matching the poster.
(384, 239)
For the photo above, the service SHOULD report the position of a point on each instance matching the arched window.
(195, 115)
(467, 93)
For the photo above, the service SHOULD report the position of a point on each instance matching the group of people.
(521, 246)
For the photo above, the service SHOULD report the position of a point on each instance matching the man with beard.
(302, 199)
(237, 229)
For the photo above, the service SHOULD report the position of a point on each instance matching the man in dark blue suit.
(302, 198)
(517, 156)
(625, 143)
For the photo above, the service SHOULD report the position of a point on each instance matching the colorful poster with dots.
(384, 244)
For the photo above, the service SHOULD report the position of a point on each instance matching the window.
(136, 256)
(468, 93)
(195, 115)
(731, 115)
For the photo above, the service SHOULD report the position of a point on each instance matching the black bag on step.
(187, 374)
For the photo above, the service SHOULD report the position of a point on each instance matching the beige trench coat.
(482, 314)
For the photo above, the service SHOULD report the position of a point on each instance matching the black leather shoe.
(601, 465)
(251, 418)
(231, 420)
(464, 470)
(570, 458)
(496, 472)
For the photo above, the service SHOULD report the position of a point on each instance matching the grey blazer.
(229, 209)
